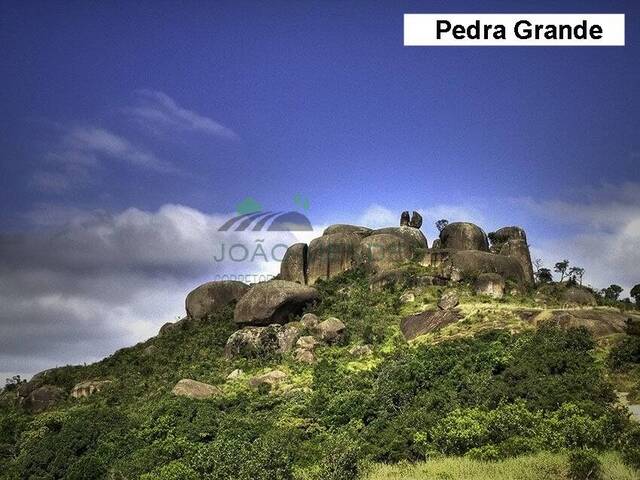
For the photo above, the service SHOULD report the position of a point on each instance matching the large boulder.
(411, 234)
(210, 297)
(518, 249)
(470, 264)
(268, 380)
(464, 236)
(504, 234)
(194, 389)
(344, 228)
(88, 388)
(42, 398)
(330, 330)
(171, 326)
(490, 284)
(383, 251)
(580, 296)
(293, 267)
(273, 302)
(331, 255)
(416, 220)
(252, 342)
(415, 325)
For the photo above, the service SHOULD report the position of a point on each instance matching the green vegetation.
(542, 466)
(501, 400)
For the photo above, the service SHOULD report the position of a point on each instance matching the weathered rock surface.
(42, 398)
(504, 234)
(361, 351)
(381, 252)
(416, 220)
(490, 284)
(88, 388)
(344, 228)
(274, 301)
(600, 322)
(449, 300)
(268, 380)
(407, 297)
(415, 325)
(305, 348)
(331, 330)
(404, 219)
(412, 235)
(211, 297)
(293, 267)
(251, 342)
(170, 326)
(304, 356)
(576, 295)
(463, 236)
(470, 264)
(236, 374)
(331, 255)
(310, 321)
(519, 250)
(437, 244)
(194, 389)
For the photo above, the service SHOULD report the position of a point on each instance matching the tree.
(561, 268)
(576, 274)
(538, 264)
(612, 292)
(440, 224)
(544, 275)
(635, 293)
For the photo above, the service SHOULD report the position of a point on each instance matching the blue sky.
(132, 119)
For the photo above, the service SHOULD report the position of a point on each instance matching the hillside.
(385, 360)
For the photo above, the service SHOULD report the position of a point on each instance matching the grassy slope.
(543, 466)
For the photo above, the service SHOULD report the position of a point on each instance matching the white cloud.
(160, 109)
(377, 216)
(82, 284)
(607, 243)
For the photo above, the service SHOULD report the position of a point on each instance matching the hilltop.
(371, 347)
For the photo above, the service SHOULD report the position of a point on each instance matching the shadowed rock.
(470, 264)
(331, 255)
(42, 398)
(416, 220)
(518, 249)
(274, 301)
(415, 325)
(464, 236)
(293, 267)
(331, 330)
(404, 219)
(211, 297)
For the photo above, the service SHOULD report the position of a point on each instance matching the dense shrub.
(625, 352)
(631, 447)
(584, 465)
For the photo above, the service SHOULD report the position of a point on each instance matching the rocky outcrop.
(195, 390)
(88, 388)
(490, 284)
(330, 330)
(293, 267)
(252, 342)
(349, 229)
(268, 380)
(382, 252)
(274, 301)
(404, 219)
(600, 322)
(411, 235)
(305, 349)
(172, 326)
(330, 255)
(211, 297)
(416, 220)
(42, 398)
(519, 250)
(463, 236)
(470, 264)
(578, 296)
(449, 300)
(504, 234)
(415, 325)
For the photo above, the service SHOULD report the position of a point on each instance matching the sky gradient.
(131, 132)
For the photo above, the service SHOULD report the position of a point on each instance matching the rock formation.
(294, 264)
(194, 389)
(88, 388)
(490, 284)
(274, 301)
(463, 236)
(212, 296)
(330, 255)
